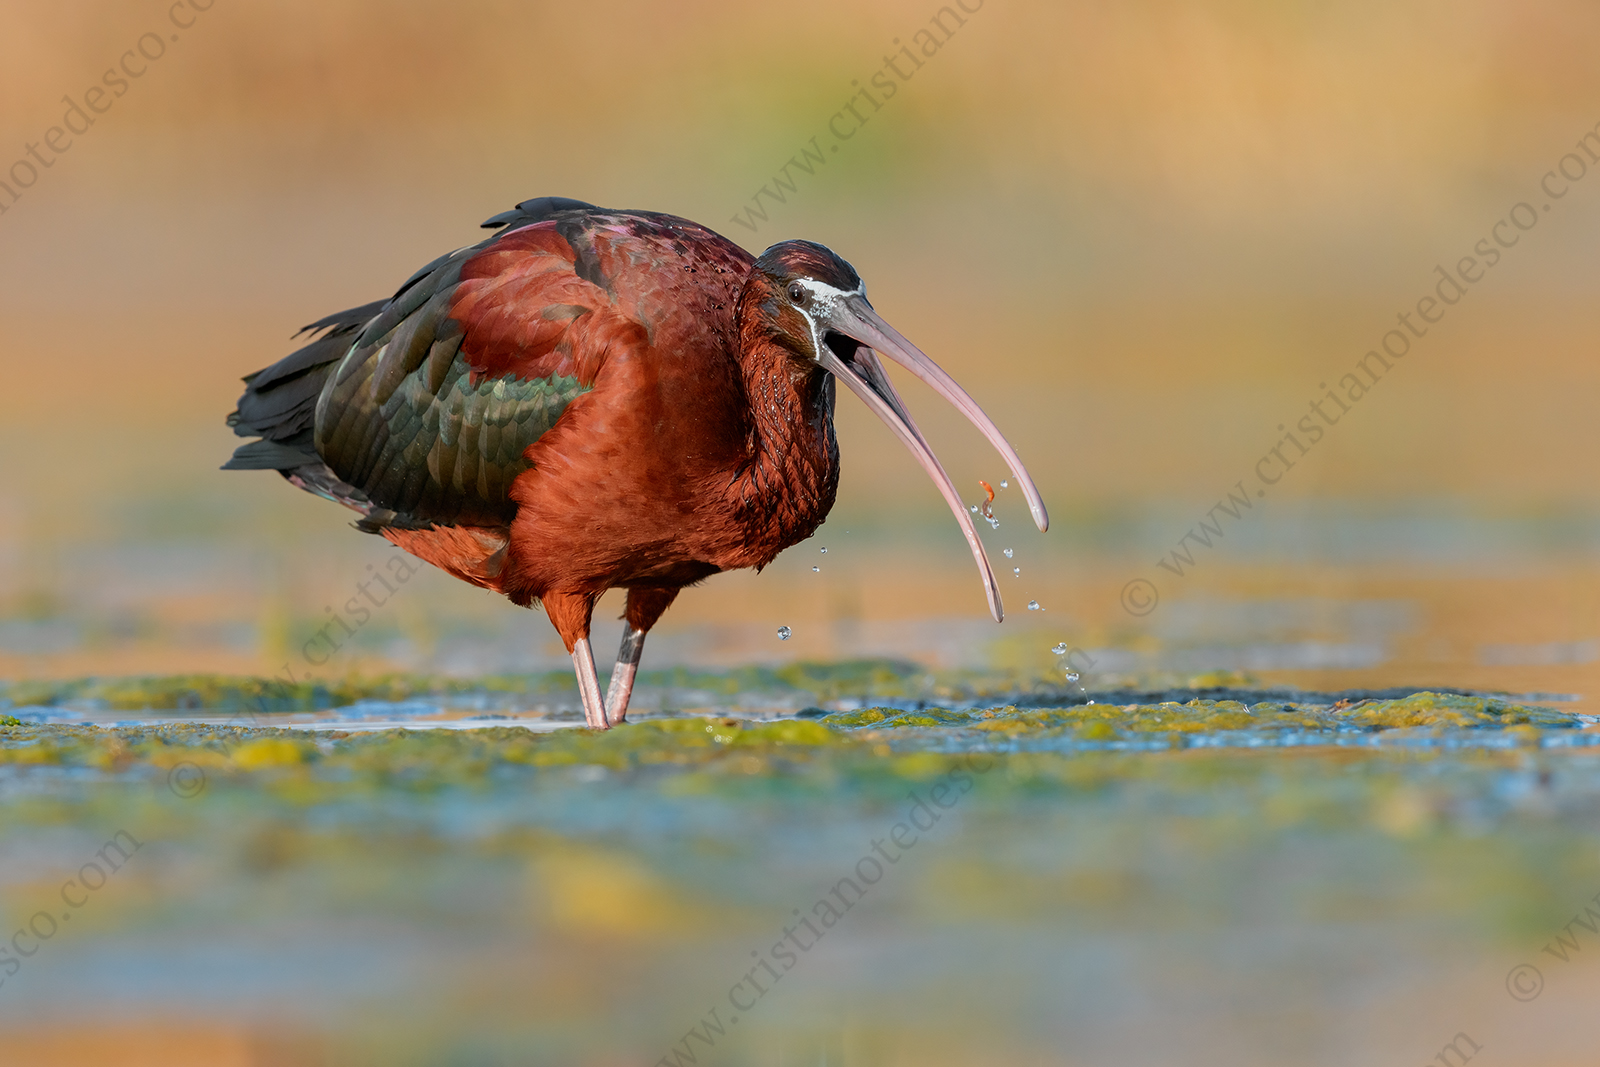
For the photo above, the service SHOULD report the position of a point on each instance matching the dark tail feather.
(297, 451)
(280, 401)
(279, 406)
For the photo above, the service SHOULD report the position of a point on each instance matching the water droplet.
(1033, 605)
(1007, 551)
(1004, 483)
(1072, 676)
(994, 523)
(1016, 572)
(824, 552)
(1060, 649)
(783, 633)
(974, 509)
(816, 570)
(1088, 702)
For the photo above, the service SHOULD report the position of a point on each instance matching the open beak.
(854, 318)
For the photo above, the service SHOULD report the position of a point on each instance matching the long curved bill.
(853, 317)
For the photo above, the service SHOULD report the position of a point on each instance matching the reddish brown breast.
(693, 452)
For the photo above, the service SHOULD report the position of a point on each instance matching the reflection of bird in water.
(595, 399)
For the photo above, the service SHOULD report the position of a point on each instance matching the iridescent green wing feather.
(402, 421)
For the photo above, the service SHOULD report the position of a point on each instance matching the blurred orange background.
(1139, 233)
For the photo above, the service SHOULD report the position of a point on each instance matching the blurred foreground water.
(1244, 876)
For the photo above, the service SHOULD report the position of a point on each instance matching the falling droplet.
(974, 509)
(1007, 551)
(1004, 483)
(1060, 649)
(824, 552)
(1016, 572)
(1033, 605)
(1072, 676)
(816, 570)
(994, 523)
(783, 633)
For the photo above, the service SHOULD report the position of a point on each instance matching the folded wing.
(417, 411)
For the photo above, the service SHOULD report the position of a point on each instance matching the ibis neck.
(788, 484)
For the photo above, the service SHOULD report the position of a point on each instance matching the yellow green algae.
(505, 895)
(1107, 722)
(877, 679)
(797, 684)
(696, 740)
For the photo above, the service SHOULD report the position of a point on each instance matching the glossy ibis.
(593, 399)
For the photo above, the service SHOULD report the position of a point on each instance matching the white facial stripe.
(816, 334)
(825, 294)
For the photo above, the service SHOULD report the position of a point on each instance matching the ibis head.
(815, 305)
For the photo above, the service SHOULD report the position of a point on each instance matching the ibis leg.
(594, 709)
(644, 608)
(570, 614)
(622, 677)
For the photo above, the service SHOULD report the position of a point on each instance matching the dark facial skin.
(776, 275)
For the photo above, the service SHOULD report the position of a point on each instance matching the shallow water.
(1288, 879)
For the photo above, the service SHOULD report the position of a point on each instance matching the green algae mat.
(1221, 875)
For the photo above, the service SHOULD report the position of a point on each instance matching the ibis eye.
(797, 293)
